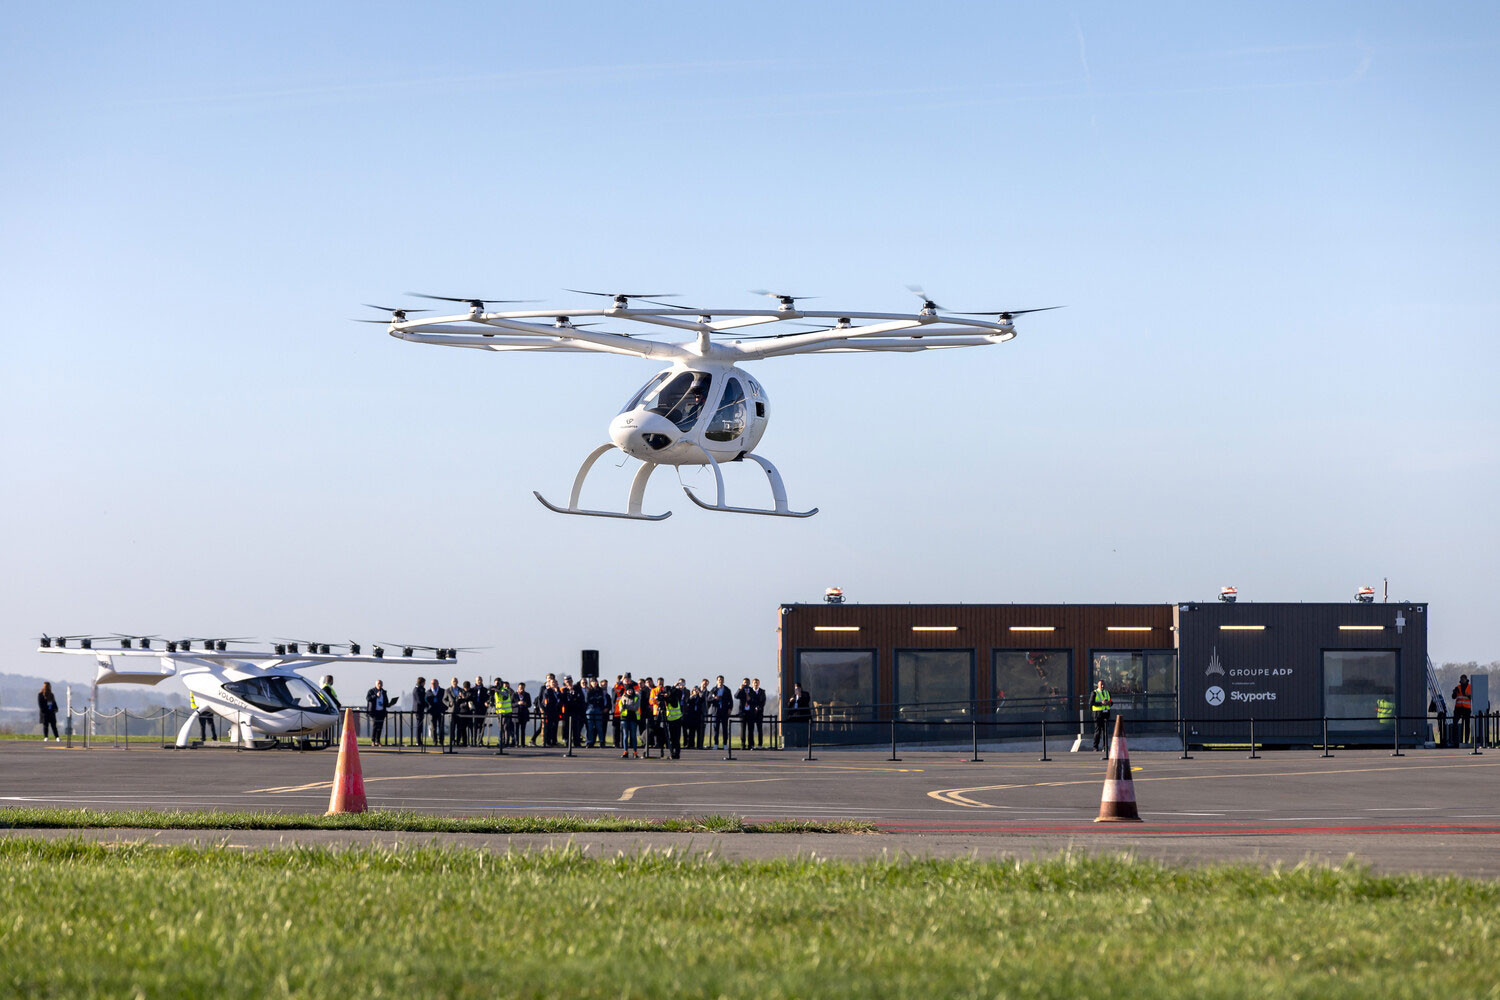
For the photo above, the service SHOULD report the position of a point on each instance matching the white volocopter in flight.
(703, 408)
(260, 693)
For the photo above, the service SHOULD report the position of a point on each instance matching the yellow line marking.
(957, 797)
(629, 793)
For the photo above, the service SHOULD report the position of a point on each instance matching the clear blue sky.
(1274, 226)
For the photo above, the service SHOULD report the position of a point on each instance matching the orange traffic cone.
(348, 784)
(1118, 802)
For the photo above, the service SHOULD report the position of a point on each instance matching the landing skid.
(778, 493)
(637, 492)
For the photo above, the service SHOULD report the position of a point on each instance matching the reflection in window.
(1143, 682)
(840, 682)
(644, 391)
(278, 694)
(683, 398)
(934, 684)
(1032, 682)
(1354, 682)
(729, 420)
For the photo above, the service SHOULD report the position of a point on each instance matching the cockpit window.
(278, 694)
(729, 419)
(681, 400)
(645, 391)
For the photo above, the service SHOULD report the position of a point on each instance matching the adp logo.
(1214, 695)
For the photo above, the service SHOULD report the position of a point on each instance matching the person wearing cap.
(628, 709)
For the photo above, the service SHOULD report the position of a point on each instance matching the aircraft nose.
(640, 433)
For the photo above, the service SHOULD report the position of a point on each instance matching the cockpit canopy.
(681, 397)
(279, 694)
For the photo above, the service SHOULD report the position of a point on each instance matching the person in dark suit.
(692, 719)
(46, 705)
(722, 706)
(481, 696)
(747, 712)
(574, 705)
(419, 708)
(377, 702)
(758, 708)
(523, 712)
(552, 707)
(436, 711)
(799, 705)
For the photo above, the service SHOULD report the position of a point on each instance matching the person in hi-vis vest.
(1101, 703)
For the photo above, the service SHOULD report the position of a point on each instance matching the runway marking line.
(957, 797)
(629, 793)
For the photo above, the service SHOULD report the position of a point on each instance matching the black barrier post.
(893, 735)
(1396, 736)
(1474, 750)
(1182, 732)
(1325, 736)
(728, 746)
(1044, 740)
(974, 757)
(809, 740)
(1252, 739)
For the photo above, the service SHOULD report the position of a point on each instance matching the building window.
(1355, 681)
(934, 684)
(841, 683)
(1031, 683)
(1142, 682)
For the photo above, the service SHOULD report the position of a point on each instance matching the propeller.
(126, 640)
(1006, 315)
(787, 301)
(927, 304)
(219, 643)
(476, 304)
(313, 648)
(622, 299)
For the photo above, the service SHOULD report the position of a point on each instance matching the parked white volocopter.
(260, 693)
(703, 409)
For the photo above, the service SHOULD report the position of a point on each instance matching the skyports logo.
(1252, 696)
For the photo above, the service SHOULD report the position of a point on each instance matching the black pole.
(974, 736)
(1474, 750)
(1325, 734)
(809, 740)
(893, 734)
(1182, 731)
(1044, 739)
(1252, 739)
(1396, 736)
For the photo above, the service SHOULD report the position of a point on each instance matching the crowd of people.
(629, 716)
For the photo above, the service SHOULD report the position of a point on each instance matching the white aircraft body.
(260, 694)
(703, 408)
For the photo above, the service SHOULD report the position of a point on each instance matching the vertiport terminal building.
(1202, 670)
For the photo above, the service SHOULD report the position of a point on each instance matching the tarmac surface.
(1428, 811)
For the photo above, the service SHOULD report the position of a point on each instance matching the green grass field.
(85, 920)
(396, 820)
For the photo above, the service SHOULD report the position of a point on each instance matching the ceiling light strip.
(1361, 628)
(835, 628)
(934, 628)
(1127, 628)
(1033, 628)
(1242, 628)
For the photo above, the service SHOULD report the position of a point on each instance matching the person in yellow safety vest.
(505, 712)
(206, 721)
(1463, 708)
(1101, 703)
(1385, 709)
(671, 707)
(628, 705)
